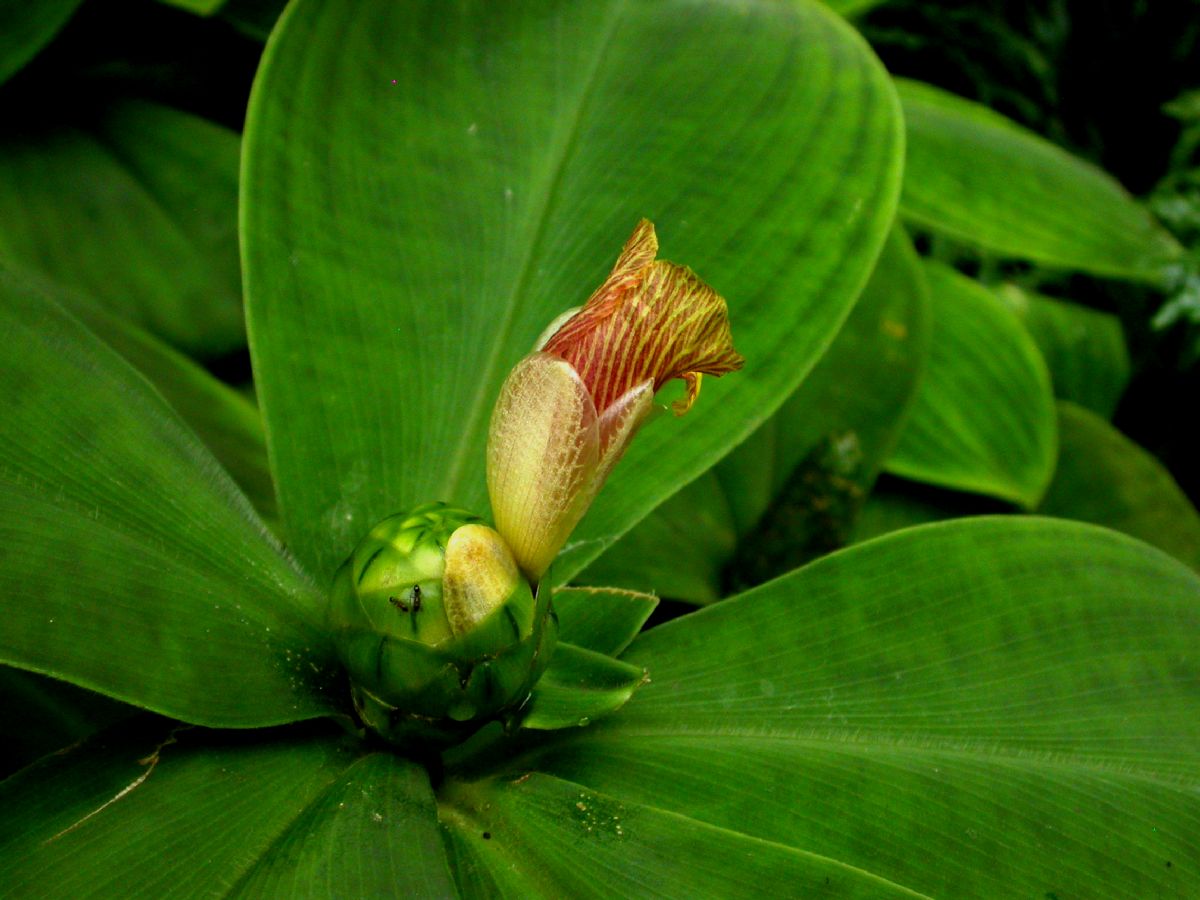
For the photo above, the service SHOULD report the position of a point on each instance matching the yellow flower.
(568, 410)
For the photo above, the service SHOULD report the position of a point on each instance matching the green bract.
(437, 647)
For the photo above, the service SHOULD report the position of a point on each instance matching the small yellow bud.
(480, 576)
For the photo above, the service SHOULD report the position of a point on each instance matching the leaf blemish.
(150, 762)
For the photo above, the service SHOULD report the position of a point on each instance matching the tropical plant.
(985, 706)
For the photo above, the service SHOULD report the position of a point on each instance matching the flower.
(568, 410)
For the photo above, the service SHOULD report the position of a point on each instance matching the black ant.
(414, 601)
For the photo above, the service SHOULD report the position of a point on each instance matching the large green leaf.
(135, 209)
(130, 563)
(997, 707)
(974, 174)
(681, 549)
(26, 27)
(983, 419)
(225, 419)
(1084, 349)
(1105, 478)
(791, 489)
(544, 837)
(427, 186)
(373, 833)
(161, 810)
(227, 422)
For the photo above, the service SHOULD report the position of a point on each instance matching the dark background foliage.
(1113, 81)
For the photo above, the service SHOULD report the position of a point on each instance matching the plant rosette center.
(438, 629)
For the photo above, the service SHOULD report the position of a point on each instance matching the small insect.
(413, 604)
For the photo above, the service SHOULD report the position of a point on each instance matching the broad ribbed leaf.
(983, 419)
(999, 707)
(224, 419)
(25, 27)
(163, 810)
(976, 175)
(135, 209)
(1105, 478)
(1084, 349)
(427, 186)
(373, 833)
(791, 490)
(542, 837)
(130, 563)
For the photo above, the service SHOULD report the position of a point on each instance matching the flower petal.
(650, 320)
(618, 425)
(542, 455)
(481, 574)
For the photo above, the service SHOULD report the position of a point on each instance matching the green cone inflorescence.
(438, 629)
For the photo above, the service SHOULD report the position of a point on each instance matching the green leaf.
(199, 7)
(227, 422)
(253, 18)
(373, 833)
(791, 490)
(834, 434)
(601, 619)
(983, 419)
(165, 810)
(1084, 349)
(545, 837)
(977, 176)
(579, 687)
(405, 247)
(681, 549)
(1018, 698)
(851, 8)
(39, 715)
(129, 561)
(896, 503)
(27, 27)
(135, 209)
(1105, 478)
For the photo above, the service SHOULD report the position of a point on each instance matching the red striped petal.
(650, 321)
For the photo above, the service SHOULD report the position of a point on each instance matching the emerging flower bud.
(567, 411)
(437, 628)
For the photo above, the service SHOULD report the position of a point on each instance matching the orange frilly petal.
(651, 321)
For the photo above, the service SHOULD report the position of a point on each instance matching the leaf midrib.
(452, 482)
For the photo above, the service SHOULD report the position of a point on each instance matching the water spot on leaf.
(599, 817)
